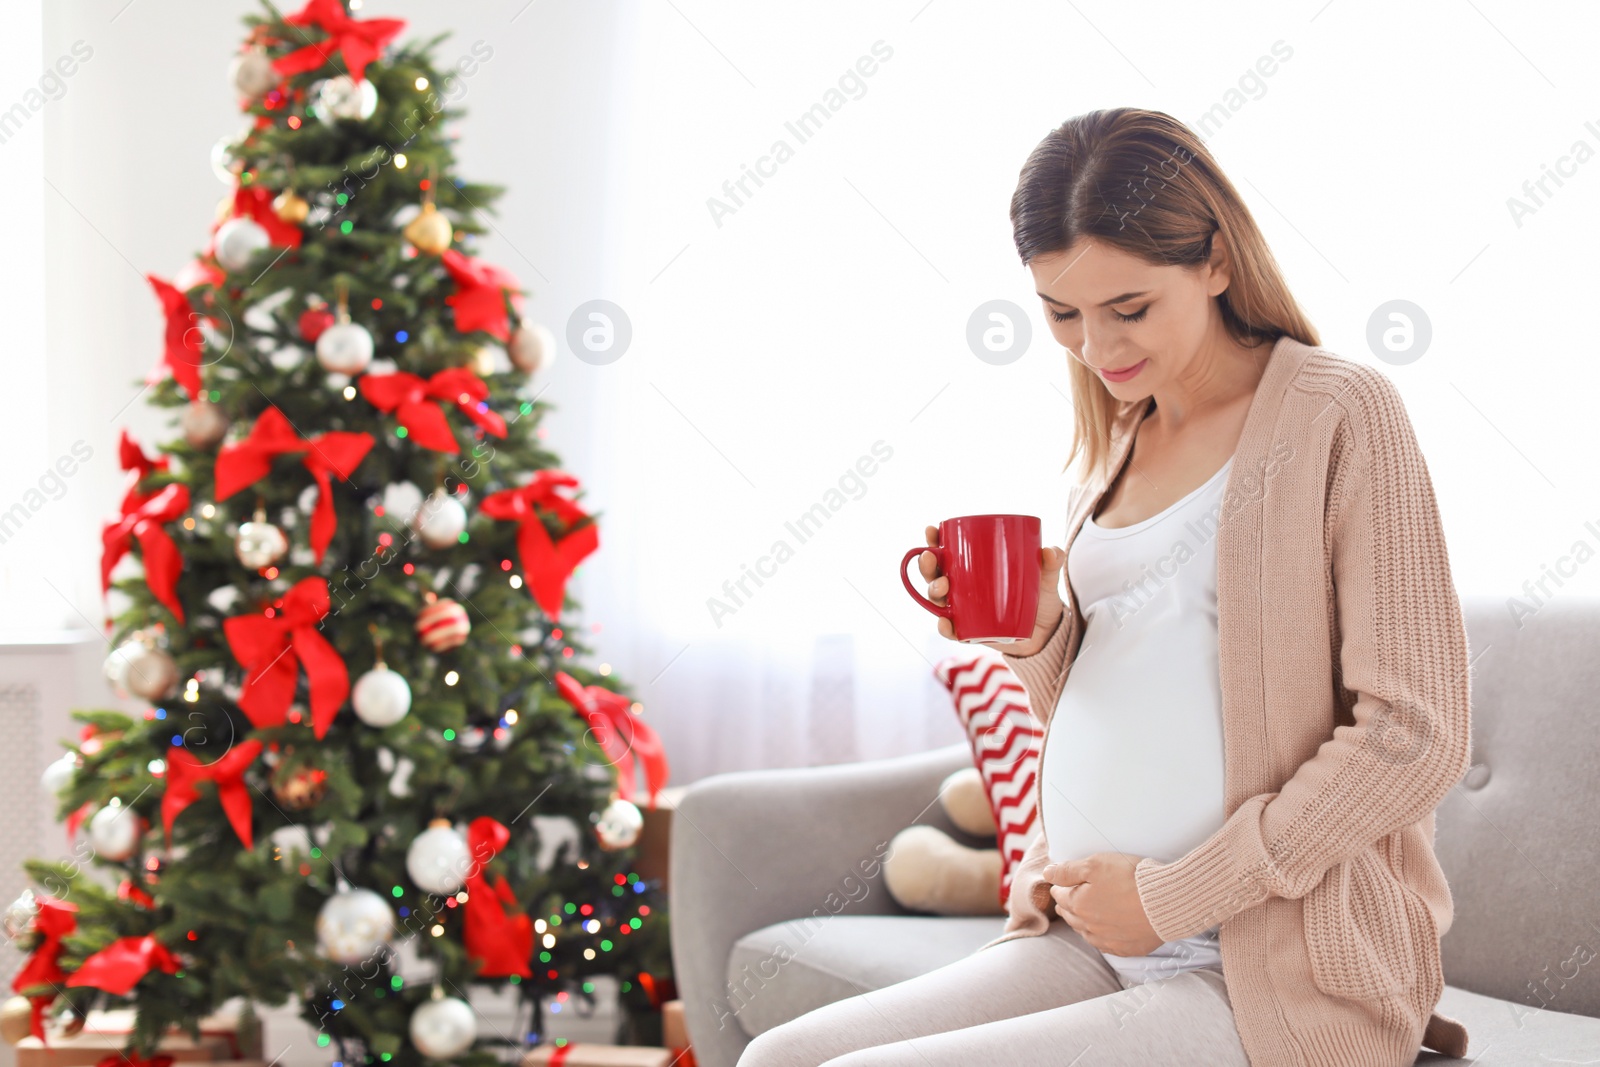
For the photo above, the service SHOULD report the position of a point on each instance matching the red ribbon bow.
(255, 202)
(55, 920)
(273, 649)
(75, 819)
(183, 342)
(198, 272)
(359, 42)
(146, 522)
(242, 464)
(411, 400)
(480, 296)
(132, 457)
(660, 990)
(547, 564)
(144, 517)
(127, 891)
(118, 967)
(503, 944)
(185, 770)
(620, 734)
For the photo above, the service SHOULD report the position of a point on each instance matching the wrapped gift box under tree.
(586, 1054)
(232, 1034)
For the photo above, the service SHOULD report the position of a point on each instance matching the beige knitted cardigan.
(1345, 711)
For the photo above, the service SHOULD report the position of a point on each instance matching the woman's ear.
(1220, 266)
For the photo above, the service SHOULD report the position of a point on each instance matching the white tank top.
(1133, 753)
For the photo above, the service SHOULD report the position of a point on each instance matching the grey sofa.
(777, 906)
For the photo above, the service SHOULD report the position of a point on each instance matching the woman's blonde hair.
(1143, 182)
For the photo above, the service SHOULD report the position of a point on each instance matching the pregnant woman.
(1253, 680)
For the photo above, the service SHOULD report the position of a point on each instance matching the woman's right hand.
(1051, 607)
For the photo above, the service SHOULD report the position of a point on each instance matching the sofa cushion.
(782, 971)
(1506, 1034)
(992, 706)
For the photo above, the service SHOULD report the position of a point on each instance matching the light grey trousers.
(1049, 999)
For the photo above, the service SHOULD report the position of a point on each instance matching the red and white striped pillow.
(993, 707)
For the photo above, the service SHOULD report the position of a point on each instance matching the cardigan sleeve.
(1403, 654)
(1041, 674)
(1044, 673)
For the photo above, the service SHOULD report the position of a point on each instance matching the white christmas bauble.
(344, 348)
(486, 360)
(251, 73)
(532, 347)
(238, 240)
(401, 498)
(259, 544)
(619, 824)
(151, 674)
(59, 774)
(443, 1027)
(203, 423)
(20, 914)
(288, 357)
(342, 97)
(114, 832)
(400, 782)
(439, 860)
(292, 840)
(223, 598)
(116, 666)
(223, 159)
(353, 924)
(440, 520)
(381, 697)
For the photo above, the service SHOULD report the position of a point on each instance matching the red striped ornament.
(443, 625)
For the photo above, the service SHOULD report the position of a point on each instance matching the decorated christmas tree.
(339, 594)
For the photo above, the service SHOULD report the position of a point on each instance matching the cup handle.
(942, 610)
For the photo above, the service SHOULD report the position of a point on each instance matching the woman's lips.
(1123, 375)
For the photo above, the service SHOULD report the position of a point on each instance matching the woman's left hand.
(1097, 897)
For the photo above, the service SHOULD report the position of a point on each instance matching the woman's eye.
(1067, 316)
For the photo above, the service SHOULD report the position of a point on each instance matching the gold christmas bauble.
(290, 207)
(16, 1018)
(532, 347)
(203, 423)
(301, 789)
(224, 208)
(430, 231)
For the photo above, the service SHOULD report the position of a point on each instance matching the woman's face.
(1114, 312)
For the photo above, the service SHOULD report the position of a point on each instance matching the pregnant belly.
(1133, 756)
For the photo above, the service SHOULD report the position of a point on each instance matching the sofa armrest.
(752, 848)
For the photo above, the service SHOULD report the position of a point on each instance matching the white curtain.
(823, 304)
(798, 398)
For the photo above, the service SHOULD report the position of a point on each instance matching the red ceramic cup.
(992, 562)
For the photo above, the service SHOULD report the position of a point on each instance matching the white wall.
(24, 108)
